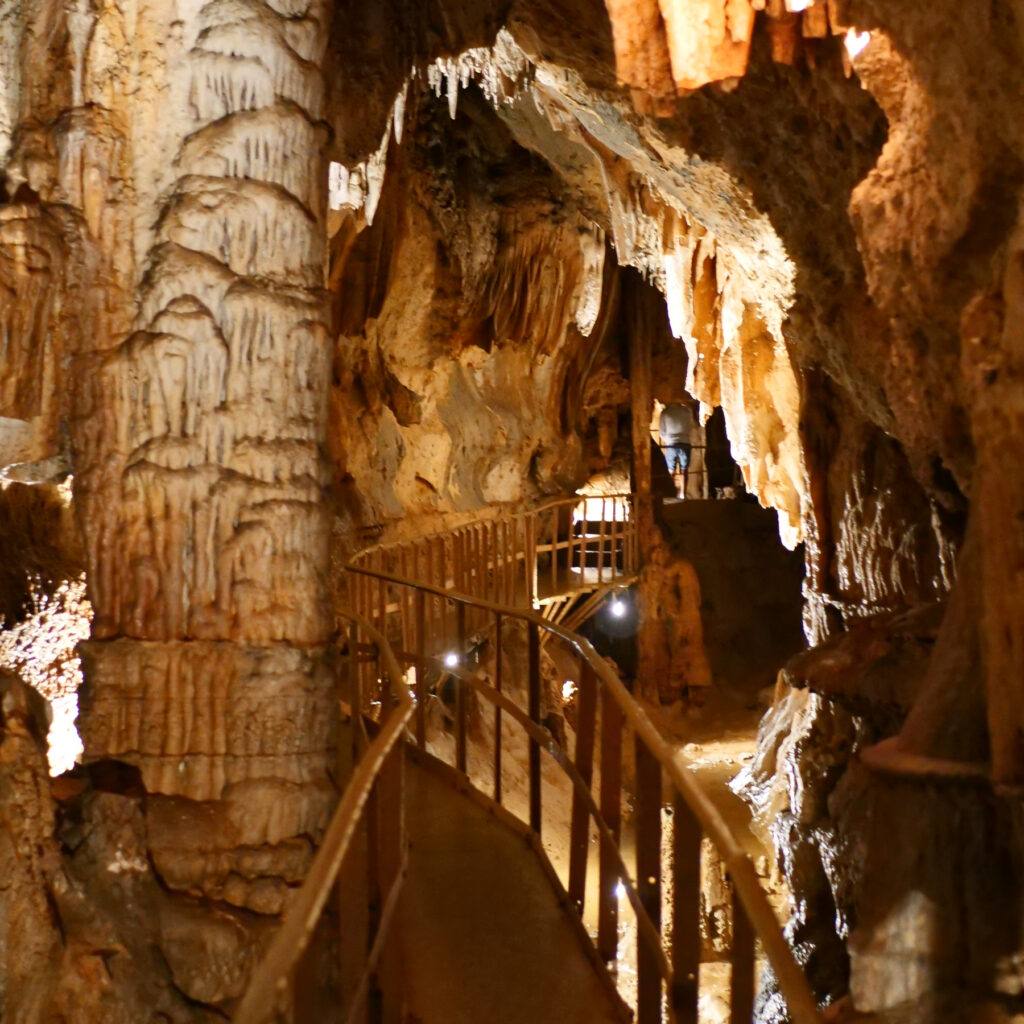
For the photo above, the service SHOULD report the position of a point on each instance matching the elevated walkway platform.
(481, 934)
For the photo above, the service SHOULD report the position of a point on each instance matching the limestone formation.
(282, 277)
(671, 637)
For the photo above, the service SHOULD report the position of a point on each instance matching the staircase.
(461, 913)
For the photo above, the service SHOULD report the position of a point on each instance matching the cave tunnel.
(511, 510)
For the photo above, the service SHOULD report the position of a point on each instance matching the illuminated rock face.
(198, 442)
(261, 284)
(165, 327)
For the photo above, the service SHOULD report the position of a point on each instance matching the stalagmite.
(199, 445)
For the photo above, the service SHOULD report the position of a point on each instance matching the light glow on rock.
(855, 42)
(41, 650)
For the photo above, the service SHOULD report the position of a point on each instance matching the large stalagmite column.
(200, 471)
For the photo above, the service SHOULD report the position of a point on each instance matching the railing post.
(686, 836)
(611, 811)
(523, 526)
(579, 837)
(466, 543)
(384, 678)
(403, 599)
(520, 544)
(501, 557)
(533, 631)
(354, 689)
(584, 552)
(391, 836)
(474, 560)
(457, 560)
(512, 581)
(554, 551)
(374, 896)
(492, 562)
(611, 559)
(421, 669)
(497, 707)
(482, 576)
(601, 545)
(741, 1010)
(479, 565)
(440, 577)
(460, 693)
(648, 876)
(531, 560)
(569, 563)
(634, 561)
(616, 537)
(446, 607)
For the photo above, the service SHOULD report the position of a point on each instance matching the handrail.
(546, 506)
(542, 736)
(791, 980)
(501, 556)
(271, 975)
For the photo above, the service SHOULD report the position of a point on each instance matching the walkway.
(551, 558)
(481, 932)
(478, 926)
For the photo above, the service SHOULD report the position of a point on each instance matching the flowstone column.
(200, 473)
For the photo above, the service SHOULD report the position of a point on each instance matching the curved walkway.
(481, 933)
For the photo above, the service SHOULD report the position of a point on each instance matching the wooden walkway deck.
(481, 935)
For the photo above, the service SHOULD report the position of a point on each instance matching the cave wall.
(837, 254)
(461, 310)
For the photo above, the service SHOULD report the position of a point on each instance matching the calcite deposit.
(282, 277)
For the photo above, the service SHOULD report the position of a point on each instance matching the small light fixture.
(568, 690)
(451, 659)
(620, 891)
(618, 607)
(856, 41)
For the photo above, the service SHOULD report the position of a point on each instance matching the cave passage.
(688, 327)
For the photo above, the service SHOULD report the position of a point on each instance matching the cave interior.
(296, 291)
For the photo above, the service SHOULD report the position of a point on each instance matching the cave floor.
(718, 741)
(482, 934)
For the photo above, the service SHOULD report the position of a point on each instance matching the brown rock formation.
(277, 276)
(671, 635)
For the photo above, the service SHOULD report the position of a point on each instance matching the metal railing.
(668, 952)
(521, 560)
(373, 800)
